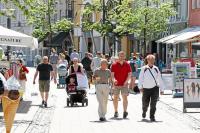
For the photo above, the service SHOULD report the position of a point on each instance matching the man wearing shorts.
(121, 74)
(45, 70)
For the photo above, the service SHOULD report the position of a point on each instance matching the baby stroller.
(62, 73)
(75, 91)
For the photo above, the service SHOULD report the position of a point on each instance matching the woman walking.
(22, 71)
(102, 77)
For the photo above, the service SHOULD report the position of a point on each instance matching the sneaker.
(125, 114)
(152, 119)
(102, 119)
(116, 115)
(45, 104)
(143, 115)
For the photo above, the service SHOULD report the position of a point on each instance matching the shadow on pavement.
(113, 118)
(24, 106)
(149, 121)
(100, 121)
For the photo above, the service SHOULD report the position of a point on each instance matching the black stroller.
(75, 93)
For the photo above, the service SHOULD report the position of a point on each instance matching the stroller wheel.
(86, 101)
(67, 102)
(83, 103)
(72, 104)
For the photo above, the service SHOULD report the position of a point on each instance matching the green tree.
(38, 14)
(144, 18)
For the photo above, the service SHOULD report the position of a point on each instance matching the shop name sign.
(10, 40)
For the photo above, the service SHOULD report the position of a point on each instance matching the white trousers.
(102, 93)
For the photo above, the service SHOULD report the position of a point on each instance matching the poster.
(168, 81)
(180, 71)
(191, 90)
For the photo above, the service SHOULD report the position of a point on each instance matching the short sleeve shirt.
(44, 71)
(103, 74)
(121, 72)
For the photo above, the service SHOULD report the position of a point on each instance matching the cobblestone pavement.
(58, 118)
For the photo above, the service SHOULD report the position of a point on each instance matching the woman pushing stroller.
(75, 90)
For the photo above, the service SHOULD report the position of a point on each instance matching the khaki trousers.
(102, 93)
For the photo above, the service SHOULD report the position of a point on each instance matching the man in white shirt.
(149, 83)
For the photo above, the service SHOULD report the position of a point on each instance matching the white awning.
(182, 36)
(163, 40)
(10, 37)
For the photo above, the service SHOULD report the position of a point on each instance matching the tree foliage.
(130, 16)
(39, 14)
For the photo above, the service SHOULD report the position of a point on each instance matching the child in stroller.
(75, 94)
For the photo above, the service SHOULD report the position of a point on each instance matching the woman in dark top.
(76, 67)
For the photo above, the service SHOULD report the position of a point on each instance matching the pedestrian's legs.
(125, 102)
(145, 99)
(42, 95)
(115, 102)
(105, 100)
(154, 99)
(46, 96)
(99, 95)
(132, 85)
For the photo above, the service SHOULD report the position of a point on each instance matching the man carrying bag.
(149, 83)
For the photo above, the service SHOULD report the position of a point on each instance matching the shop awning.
(182, 36)
(10, 37)
(163, 40)
(58, 39)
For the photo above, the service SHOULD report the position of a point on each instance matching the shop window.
(194, 4)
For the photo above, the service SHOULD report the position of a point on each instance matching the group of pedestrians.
(116, 75)
(120, 75)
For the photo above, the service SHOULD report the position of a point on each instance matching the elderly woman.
(102, 77)
(75, 67)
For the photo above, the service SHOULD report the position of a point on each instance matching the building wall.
(194, 12)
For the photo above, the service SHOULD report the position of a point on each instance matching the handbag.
(22, 74)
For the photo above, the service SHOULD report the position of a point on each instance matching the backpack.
(1, 87)
(132, 64)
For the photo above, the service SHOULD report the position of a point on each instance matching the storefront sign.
(9, 40)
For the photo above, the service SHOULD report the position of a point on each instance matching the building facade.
(194, 13)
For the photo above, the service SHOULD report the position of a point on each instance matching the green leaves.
(39, 14)
(63, 25)
(131, 17)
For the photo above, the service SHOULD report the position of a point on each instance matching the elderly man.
(45, 70)
(121, 74)
(149, 83)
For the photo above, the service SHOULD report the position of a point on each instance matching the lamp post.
(8, 12)
(104, 19)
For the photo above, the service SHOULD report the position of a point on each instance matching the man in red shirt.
(121, 74)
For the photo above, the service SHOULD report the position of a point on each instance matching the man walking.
(121, 74)
(149, 83)
(45, 70)
(86, 61)
(102, 77)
